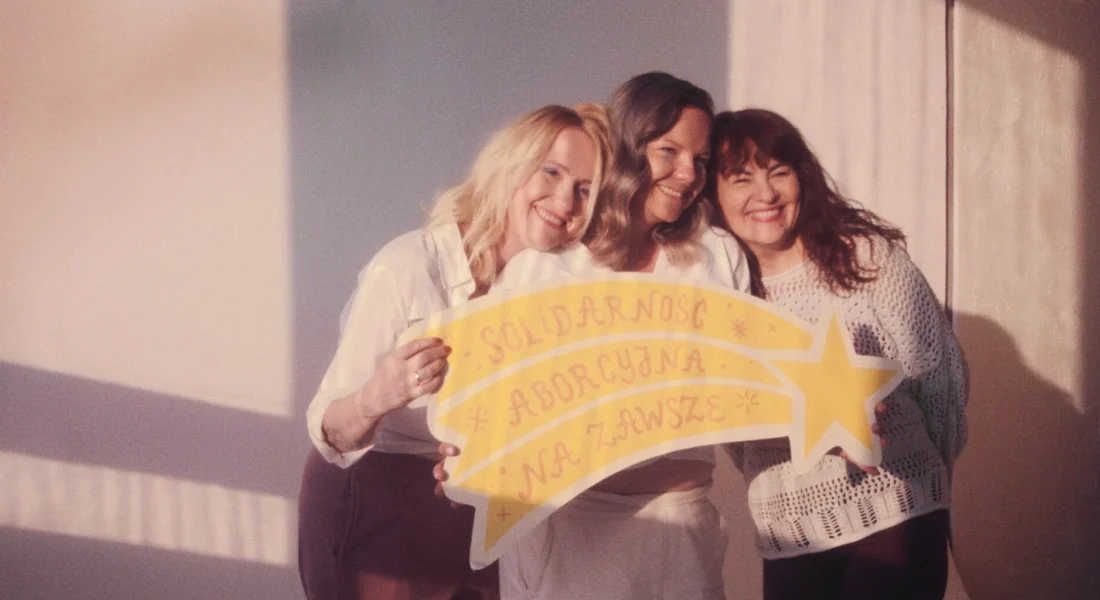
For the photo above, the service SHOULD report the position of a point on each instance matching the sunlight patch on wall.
(865, 82)
(1019, 152)
(141, 509)
(144, 234)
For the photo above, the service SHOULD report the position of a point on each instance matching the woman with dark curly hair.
(843, 531)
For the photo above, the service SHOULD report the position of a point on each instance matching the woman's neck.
(776, 261)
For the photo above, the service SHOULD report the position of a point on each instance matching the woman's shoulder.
(423, 247)
(531, 265)
(724, 258)
(411, 245)
(717, 240)
(894, 271)
(879, 254)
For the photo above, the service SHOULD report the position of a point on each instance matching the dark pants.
(376, 530)
(906, 561)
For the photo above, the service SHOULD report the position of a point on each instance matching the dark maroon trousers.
(377, 531)
(905, 562)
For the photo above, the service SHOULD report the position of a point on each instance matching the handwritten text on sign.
(553, 387)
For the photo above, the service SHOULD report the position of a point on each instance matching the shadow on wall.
(49, 567)
(158, 496)
(1026, 520)
(1027, 512)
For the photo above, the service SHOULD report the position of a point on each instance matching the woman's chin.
(549, 241)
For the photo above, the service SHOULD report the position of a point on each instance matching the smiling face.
(761, 205)
(677, 164)
(548, 209)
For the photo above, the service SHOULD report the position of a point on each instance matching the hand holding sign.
(553, 387)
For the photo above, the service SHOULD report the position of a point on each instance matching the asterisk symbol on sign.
(747, 401)
(476, 420)
(740, 328)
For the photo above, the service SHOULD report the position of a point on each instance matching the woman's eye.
(551, 171)
(783, 172)
(582, 191)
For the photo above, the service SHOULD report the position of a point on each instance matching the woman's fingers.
(434, 368)
(439, 472)
(844, 455)
(876, 428)
(425, 366)
(864, 468)
(428, 378)
(426, 354)
(417, 346)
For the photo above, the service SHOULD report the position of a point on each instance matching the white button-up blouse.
(417, 274)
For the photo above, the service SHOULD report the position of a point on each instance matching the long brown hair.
(829, 225)
(642, 110)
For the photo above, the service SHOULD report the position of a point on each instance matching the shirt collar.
(451, 256)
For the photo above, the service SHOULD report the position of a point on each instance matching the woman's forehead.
(737, 154)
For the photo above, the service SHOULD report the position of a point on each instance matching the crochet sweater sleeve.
(926, 346)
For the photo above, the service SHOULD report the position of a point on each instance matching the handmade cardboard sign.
(554, 386)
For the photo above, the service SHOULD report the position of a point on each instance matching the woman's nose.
(565, 198)
(685, 171)
(767, 191)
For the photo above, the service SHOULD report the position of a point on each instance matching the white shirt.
(417, 274)
(721, 262)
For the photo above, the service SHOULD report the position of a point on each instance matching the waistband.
(596, 501)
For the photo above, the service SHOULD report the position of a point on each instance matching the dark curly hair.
(829, 225)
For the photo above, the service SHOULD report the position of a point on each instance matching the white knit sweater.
(896, 316)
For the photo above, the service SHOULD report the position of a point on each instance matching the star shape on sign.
(837, 390)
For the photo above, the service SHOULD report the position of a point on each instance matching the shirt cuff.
(332, 455)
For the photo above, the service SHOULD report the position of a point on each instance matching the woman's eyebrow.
(559, 165)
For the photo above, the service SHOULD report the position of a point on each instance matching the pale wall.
(187, 191)
(150, 442)
(1026, 206)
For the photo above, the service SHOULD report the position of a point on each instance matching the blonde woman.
(369, 524)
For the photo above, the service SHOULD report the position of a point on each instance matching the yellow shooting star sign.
(827, 381)
(556, 385)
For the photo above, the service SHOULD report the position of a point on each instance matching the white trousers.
(603, 546)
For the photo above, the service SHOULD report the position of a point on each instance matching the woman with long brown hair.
(650, 531)
(842, 531)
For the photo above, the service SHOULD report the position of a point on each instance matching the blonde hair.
(480, 203)
(641, 110)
